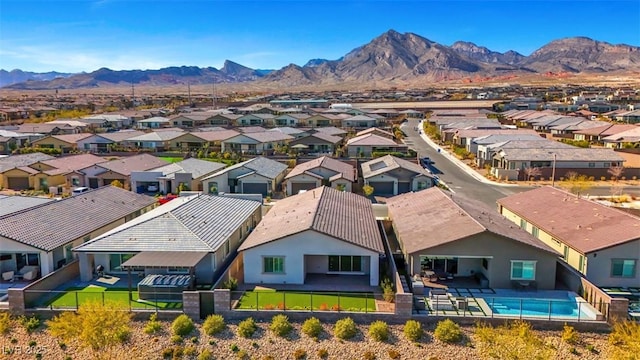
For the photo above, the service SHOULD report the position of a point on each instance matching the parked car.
(152, 188)
(426, 162)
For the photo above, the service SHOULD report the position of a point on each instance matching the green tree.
(368, 190)
(576, 183)
(117, 183)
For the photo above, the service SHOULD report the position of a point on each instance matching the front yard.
(74, 296)
(316, 301)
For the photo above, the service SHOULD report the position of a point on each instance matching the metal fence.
(73, 299)
(634, 310)
(501, 307)
(308, 301)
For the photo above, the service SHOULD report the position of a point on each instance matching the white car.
(152, 188)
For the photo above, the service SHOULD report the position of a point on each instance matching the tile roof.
(251, 129)
(372, 140)
(15, 203)
(261, 165)
(14, 161)
(561, 154)
(164, 135)
(387, 163)
(374, 130)
(337, 166)
(217, 135)
(57, 223)
(67, 164)
(583, 224)
(71, 138)
(342, 215)
(194, 223)
(126, 165)
(268, 136)
(606, 130)
(431, 217)
(195, 167)
(331, 130)
(121, 135)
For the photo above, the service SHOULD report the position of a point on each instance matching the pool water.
(537, 308)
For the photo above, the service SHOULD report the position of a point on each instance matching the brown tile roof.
(67, 164)
(122, 135)
(387, 163)
(71, 138)
(374, 130)
(584, 225)
(126, 165)
(338, 166)
(218, 135)
(606, 130)
(342, 215)
(54, 224)
(372, 140)
(16, 161)
(431, 217)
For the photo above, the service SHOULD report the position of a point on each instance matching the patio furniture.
(8, 275)
(30, 275)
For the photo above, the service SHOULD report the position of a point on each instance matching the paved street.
(463, 183)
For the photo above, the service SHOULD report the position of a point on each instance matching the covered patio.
(322, 282)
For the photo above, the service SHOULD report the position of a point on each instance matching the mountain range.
(392, 57)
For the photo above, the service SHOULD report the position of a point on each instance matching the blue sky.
(74, 36)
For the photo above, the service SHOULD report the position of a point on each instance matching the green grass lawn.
(98, 293)
(318, 301)
(172, 159)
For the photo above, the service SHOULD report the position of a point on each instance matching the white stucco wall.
(293, 249)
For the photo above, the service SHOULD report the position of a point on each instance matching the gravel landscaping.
(264, 343)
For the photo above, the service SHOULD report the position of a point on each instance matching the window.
(523, 270)
(523, 224)
(422, 185)
(566, 253)
(581, 263)
(535, 231)
(116, 261)
(226, 248)
(177, 270)
(485, 264)
(75, 181)
(273, 265)
(591, 165)
(623, 268)
(345, 263)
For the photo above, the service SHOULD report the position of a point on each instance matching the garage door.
(18, 183)
(296, 187)
(404, 187)
(382, 187)
(254, 188)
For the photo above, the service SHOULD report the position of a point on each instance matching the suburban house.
(40, 238)
(48, 128)
(629, 138)
(317, 142)
(155, 140)
(483, 147)
(508, 163)
(366, 145)
(295, 132)
(597, 134)
(321, 171)
(61, 172)
(599, 241)
(359, 122)
(308, 236)
(453, 236)
(156, 122)
(329, 130)
(256, 142)
(192, 120)
(65, 143)
(376, 131)
(11, 140)
(15, 172)
(193, 235)
(289, 119)
(487, 151)
(103, 143)
(168, 178)
(119, 169)
(255, 119)
(389, 175)
(254, 176)
(224, 119)
(14, 203)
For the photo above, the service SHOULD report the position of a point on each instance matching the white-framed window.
(273, 264)
(535, 231)
(592, 165)
(623, 268)
(226, 248)
(523, 270)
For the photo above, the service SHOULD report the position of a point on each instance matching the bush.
(388, 293)
(242, 354)
(182, 325)
(30, 323)
(624, 340)
(153, 326)
(447, 331)
(247, 327)
(5, 323)
(213, 324)
(312, 327)
(206, 354)
(234, 348)
(323, 353)
(393, 354)
(280, 325)
(379, 331)
(345, 329)
(176, 339)
(190, 351)
(413, 330)
(299, 354)
(368, 355)
(514, 340)
(570, 335)
(230, 284)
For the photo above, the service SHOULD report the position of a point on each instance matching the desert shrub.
(388, 293)
(247, 327)
(230, 284)
(413, 330)
(448, 331)
(30, 323)
(591, 348)
(95, 325)
(176, 339)
(393, 354)
(194, 339)
(268, 357)
(299, 354)
(206, 354)
(345, 328)
(32, 343)
(514, 340)
(234, 348)
(190, 351)
(153, 326)
(369, 355)
(213, 324)
(167, 353)
(312, 327)
(323, 353)
(182, 325)
(379, 331)
(242, 354)
(5, 323)
(570, 335)
(623, 340)
(280, 325)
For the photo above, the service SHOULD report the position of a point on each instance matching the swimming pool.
(544, 308)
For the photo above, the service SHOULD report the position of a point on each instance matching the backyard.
(318, 301)
(74, 296)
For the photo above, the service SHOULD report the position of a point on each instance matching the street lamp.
(553, 171)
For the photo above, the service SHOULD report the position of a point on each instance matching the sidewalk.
(464, 167)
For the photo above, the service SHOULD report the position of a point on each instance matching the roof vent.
(578, 227)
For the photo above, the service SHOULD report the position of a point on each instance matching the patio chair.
(8, 275)
(30, 275)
